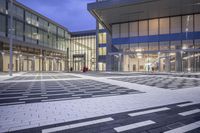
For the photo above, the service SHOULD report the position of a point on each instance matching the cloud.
(72, 14)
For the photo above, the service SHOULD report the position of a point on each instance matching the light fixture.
(138, 50)
(139, 55)
(184, 47)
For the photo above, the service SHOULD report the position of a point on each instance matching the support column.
(178, 62)
(167, 63)
(66, 61)
(43, 61)
(109, 61)
(40, 61)
(1, 57)
(97, 46)
(119, 62)
(27, 59)
(189, 62)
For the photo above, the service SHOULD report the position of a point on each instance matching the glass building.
(102, 47)
(83, 50)
(40, 44)
(146, 36)
(130, 35)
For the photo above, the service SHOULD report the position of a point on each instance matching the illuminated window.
(187, 23)
(164, 26)
(133, 29)
(124, 30)
(102, 51)
(153, 27)
(197, 22)
(175, 25)
(102, 38)
(115, 31)
(143, 28)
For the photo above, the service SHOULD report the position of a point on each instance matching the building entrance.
(78, 62)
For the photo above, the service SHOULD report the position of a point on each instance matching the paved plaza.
(106, 102)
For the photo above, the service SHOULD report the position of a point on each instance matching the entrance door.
(78, 62)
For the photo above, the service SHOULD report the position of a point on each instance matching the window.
(100, 26)
(164, 46)
(52, 28)
(45, 38)
(54, 41)
(187, 23)
(187, 44)
(176, 45)
(28, 33)
(60, 32)
(34, 35)
(164, 26)
(19, 12)
(124, 30)
(153, 46)
(197, 22)
(102, 38)
(41, 37)
(34, 20)
(175, 25)
(197, 44)
(67, 35)
(153, 27)
(50, 39)
(102, 51)
(133, 29)
(31, 19)
(142, 47)
(28, 17)
(43, 24)
(19, 30)
(115, 31)
(143, 28)
(134, 47)
(2, 5)
(2, 25)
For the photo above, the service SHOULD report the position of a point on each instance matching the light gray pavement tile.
(58, 111)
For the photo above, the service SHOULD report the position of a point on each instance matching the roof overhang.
(119, 11)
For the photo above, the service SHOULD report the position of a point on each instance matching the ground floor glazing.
(157, 62)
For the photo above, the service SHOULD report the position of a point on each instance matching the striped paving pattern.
(41, 76)
(163, 119)
(162, 82)
(33, 92)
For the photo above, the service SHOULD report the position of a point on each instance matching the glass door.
(78, 62)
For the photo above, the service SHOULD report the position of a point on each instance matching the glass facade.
(163, 44)
(2, 25)
(83, 52)
(31, 28)
(102, 48)
(2, 6)
(43, 45)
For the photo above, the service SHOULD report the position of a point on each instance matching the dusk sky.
(72, 14)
